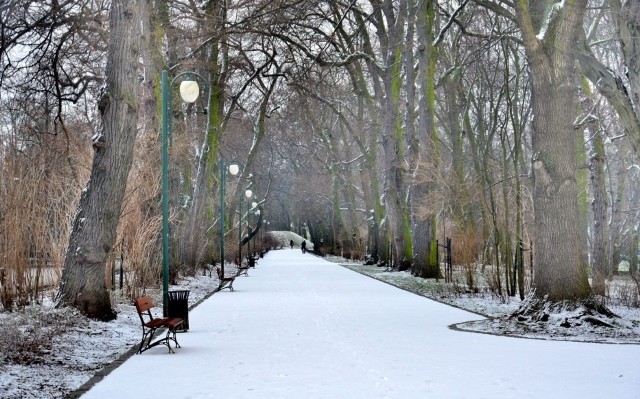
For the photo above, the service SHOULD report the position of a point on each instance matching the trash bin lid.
(178, 294)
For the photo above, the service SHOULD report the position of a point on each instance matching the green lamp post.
(254, 204)
(233, 168)
(189, 92)
(247, 193)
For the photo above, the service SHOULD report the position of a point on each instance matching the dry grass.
(41, 179)
(39, 189)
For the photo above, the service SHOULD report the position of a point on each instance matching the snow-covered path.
(301, 327)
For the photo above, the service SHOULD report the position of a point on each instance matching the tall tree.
(424, 235)
(49, 53)
(627, 15)
(550, 31)
(214, 51)
(94, 227)
(390, 23)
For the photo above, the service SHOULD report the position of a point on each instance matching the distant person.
(304, 246)
(291, 243)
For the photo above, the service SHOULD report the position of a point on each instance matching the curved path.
(301, 327)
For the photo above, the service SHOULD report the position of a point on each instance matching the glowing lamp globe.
(189, 91)
(234, 169)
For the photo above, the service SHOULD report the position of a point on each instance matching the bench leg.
(171, 335)
(147, 337)
(148, 343)
(225, 284)
(243, 271)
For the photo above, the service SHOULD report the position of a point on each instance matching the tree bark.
(94, 228)
(617, 215)
(393, 138)
(633, 253)
(600, 262)
(600, 254)
(560, 272)
(612, 88)
(629, 30)
(207, 163)
(514, 104)
(425, 247)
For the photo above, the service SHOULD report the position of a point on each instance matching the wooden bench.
(225, 282)
(151, 324)
(243, 269)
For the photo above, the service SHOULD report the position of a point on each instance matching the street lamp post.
(254, 204)
(257, 213)
(189, 92)
(247, 193)
(234, 168)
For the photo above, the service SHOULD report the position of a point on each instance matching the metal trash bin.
(178, 306)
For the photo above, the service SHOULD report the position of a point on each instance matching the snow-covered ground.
(299, 325)
(565, 324)
(48, 353)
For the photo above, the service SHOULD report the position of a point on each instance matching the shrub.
(30, 335)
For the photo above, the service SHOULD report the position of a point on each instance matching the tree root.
(565, 313)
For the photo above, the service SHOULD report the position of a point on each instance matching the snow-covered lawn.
(48, 353)
(625, 328)
(301, 326)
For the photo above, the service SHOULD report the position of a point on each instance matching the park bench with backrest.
(243, 269)
(225, 282)
(152, 324)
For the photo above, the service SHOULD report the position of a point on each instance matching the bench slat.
(144, 303)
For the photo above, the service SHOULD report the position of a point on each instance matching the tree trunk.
(367, 141)
(94, 228)
(617, 216)
(393, 138)
(600, 256)
(634, 247)
(461, 207)
(514, 103)
(600, 262)
(560, 272)
(207, 163)
(478, 155)
(506, 241)
(425, 247)
(629, 30)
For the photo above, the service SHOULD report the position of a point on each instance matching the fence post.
(449, 261)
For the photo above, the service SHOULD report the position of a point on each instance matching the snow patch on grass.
(565, 323)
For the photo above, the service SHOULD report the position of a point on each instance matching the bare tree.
(94, 227)
(549, 37)
(50, 52)
(426, 154)
(627, 15)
